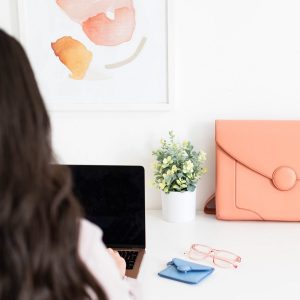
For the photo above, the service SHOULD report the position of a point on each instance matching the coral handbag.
(257, 170)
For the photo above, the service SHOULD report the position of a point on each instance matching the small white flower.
(169, 172)
(202, 156)
(162, 185)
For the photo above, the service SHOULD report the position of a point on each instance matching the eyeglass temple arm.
(232, 261)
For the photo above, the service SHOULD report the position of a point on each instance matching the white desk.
(270, 252)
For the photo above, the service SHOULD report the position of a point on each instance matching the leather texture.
(258, 168)
(185, 271)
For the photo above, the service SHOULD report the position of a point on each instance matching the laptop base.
(133, 273)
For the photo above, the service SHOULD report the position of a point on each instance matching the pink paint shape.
(105, 22)
(81, 10)
(103, 31)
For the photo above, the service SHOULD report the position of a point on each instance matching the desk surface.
(270, 252)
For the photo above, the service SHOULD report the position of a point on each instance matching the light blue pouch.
(185, 271)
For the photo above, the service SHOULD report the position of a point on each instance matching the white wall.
(233, 59)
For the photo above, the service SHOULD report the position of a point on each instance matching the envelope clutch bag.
(257, 170)
(185, 271)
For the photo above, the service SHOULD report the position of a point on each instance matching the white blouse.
(94, 254)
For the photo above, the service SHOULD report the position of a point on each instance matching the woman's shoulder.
(87, 227)
(88, 233)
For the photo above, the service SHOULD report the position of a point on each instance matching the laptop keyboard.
(130, 257)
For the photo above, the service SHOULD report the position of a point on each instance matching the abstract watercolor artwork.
(93, 54)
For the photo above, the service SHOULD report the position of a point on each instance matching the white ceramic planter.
(179, 207)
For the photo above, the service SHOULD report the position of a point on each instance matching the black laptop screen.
(113, 197)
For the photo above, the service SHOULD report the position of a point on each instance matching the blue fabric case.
(185, 271)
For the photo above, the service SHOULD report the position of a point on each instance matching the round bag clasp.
(284, 178)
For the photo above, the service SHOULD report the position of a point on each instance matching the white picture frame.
(164, 103)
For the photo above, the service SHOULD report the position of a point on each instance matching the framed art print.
(98, 55)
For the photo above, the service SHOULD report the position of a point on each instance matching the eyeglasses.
(221, 258)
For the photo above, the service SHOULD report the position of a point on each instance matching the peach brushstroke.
(103, 31)
(130, 58)
(74, 55)
(105, 22)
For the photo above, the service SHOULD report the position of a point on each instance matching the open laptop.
(113, 197)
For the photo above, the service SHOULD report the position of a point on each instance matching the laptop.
(113, 197)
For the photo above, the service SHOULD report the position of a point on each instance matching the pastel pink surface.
(103, 31)
(81, 10)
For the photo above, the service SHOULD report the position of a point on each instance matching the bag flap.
(186, 266)
(262, 146)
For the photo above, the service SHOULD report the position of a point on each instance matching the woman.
(46, 252)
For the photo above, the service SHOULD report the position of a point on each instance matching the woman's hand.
(120, 262)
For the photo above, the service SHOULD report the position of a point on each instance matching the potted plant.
(177, 169)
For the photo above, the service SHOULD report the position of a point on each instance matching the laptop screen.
(113, 197)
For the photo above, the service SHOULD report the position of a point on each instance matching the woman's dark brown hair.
(39, 216)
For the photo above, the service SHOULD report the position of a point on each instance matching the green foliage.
(178, 167)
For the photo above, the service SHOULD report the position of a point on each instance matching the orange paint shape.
(101, 30)
(74, 55)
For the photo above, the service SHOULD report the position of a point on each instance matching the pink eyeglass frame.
(213, 254)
